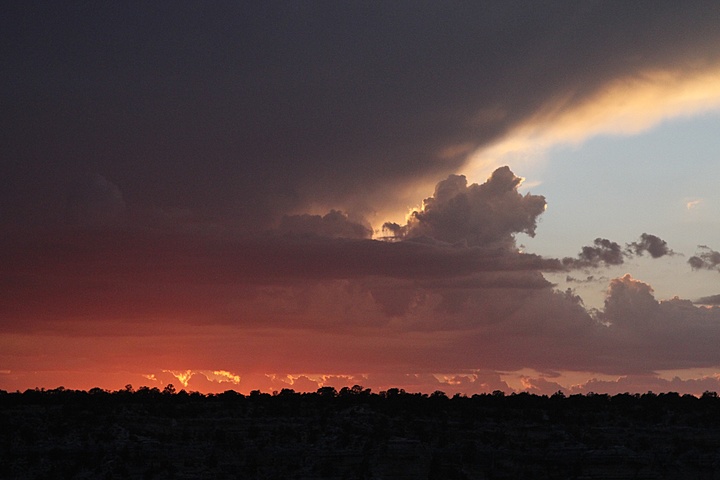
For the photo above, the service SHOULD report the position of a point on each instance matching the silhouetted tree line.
(355, 433)
(392, 400)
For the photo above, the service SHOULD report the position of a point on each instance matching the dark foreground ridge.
(356, 434)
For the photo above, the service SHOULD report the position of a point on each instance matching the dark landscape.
(356, 434)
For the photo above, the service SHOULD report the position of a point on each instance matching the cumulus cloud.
(705, 259)
(475, 215)
(664, 334)
(629, 300)
(633, 334)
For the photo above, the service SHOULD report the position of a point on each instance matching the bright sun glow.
(183, 376)
(627, 106)
(223, 376)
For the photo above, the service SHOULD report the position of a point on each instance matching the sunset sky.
(456, 196)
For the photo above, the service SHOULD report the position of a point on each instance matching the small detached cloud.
(602, 251)
(607, 252)
(588, 279)
(705, 259)
(690, 204)
(651, 244)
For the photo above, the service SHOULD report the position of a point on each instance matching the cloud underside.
(449, 292)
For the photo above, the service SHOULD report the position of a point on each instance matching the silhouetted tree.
(327, 392)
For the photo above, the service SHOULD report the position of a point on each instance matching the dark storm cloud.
(334, 224)
(705, 259)
(243, 111)
(475, 215)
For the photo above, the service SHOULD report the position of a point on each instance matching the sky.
(455, 196)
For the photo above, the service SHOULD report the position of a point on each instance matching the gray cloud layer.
(711, 300)
(334, 224)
